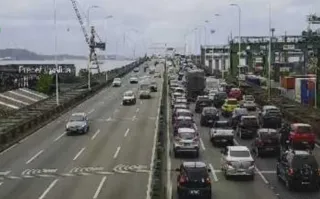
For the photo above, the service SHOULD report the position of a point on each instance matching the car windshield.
(300, 160)
(240, 154)
(204, 102)
(187, 136)
(197, 173)
(144, 87)
(249, 98)
(220, 124)
(117, 79)
(185, 114)
(128, 94)
(304, 129)
(74, 118)
(241, 112)
(250, 121)
(232, 102)
(221, 95)
(185, 124)
(268, 135)
(210, 111)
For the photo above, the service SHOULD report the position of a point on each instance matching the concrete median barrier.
(30, 118)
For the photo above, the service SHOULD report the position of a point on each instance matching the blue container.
(304, 91)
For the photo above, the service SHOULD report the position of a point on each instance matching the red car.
(302, 135)
(235, 93)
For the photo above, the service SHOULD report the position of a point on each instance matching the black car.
(248, 126)
(208, 116)
(219, 99)
(236, 115)
(270, 117)
(267, 141)
(193, 180)
(298, 169)
(201, 103)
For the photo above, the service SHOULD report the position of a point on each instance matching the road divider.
(23, 122)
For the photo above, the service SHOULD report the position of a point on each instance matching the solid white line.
(137, 110)
(261, 175)
(91, 111)
(116, 153)
(95, 134)
(202, 144)
(60, 136)
(215, 177)
(34, 157)
(79, 153)
(126, 133)
(44, 194)
(99, 187)
(155, 136)
(8, 149)
(133, 118)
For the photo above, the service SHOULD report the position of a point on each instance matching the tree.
(44, 83)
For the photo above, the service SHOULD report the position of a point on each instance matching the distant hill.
(22, 54)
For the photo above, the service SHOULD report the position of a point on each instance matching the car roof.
(248, 116)
(238, 148)
(301, 152)
(223, 130)
(128, 92)
(269, 107)
(209, 108)
(222, 121)
(183, 110)
(194, 164)
(231, 99)
(301, 124)
(186, 130)
(184, 118)
(79, 114)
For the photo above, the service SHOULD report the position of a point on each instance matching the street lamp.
(55, 50)
(271, 30)
(239, 9)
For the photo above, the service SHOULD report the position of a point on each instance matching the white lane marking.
(95, 134)
(4, 173)
(91, 111)
(116, 111)
(8, 149)
(34, 157)
(79, 153)
(126, 133)
(117, 152)
(215, 177)
(96, 194)
(202, 145)
(261, 175)
(44, 194)
(133, 118)
(236, 142)
(137, 110)
(317, 146)
(154, 149)
(140, 102)
(60, 136)
(1, 183)
(109, 119)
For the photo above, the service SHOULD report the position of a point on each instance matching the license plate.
(195, 192)
(187, 144)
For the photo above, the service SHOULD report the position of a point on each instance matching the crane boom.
(86, 36)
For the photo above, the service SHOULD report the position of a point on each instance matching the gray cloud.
(29, 23)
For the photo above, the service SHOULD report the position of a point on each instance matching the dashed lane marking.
(202, 145)
(34, 157)
(213, 172)
(137, 110)
(96, 194)
(117, 152)
(60, 136)
(45, 193)
(79, 153)
(95, 134)
(126, 133)
(134, 118)
(91, 111)
(1, 183)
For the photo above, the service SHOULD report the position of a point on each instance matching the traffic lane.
(64, 158)
(100, 154)
(135, 151)
(50, 133)
(55, 140)
(243, 188)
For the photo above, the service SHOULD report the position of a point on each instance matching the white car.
(237, 161)
(116, 82)
(186, 141)
(133, 80)
(129, 98)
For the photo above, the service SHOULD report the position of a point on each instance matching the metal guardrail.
(26, 120)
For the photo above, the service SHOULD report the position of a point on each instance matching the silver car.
(186, 141)
(116, 82)
(78, 123)
(237, 161)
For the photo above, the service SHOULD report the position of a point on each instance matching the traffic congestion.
(252, 141)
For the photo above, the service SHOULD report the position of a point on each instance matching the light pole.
(89, 59)
(269, 55)
(239, 9)
(55, 50)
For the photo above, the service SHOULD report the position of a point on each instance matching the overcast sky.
(29, 23)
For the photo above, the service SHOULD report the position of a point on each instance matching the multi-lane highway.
(111, 161)
(264, 186)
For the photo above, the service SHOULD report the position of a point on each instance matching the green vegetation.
(44, 83)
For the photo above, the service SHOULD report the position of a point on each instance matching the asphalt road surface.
(111, 161)
(264, 186)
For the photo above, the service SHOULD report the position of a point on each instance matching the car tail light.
(290, 172)
(182, 180)
(208, 181)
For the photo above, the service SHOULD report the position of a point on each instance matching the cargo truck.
(195, 84)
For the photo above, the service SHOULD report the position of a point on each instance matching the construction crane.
(90, 40)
